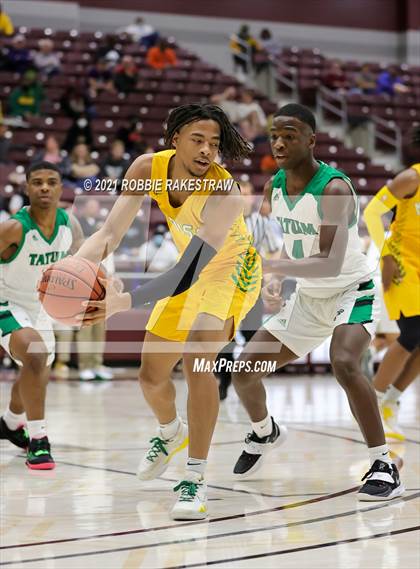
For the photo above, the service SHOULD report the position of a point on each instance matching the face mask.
(158, 240)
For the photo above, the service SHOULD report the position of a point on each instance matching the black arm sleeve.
(178, 279)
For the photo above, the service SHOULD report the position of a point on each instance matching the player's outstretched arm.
(337, 210)
(106, 240)
(11, 234)
(219, 214)
(402, 186)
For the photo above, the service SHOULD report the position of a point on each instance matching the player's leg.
(409, 340)
(207, 337)
(159, 356)
(348, 343)
(266, 434)
(27, 346)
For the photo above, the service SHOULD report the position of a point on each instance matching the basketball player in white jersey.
(317, 209)
(30, 240)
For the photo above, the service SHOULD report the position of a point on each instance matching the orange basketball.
(68, 283)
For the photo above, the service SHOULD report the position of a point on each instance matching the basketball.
(68, 283)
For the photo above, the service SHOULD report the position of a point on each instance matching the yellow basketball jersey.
(404, 245)
(185, 220)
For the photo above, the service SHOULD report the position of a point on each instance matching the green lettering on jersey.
(296, 227)
(36, 259)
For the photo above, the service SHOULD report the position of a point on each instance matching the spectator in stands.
(140, 32)
(6, 25)
(135, 236)
(243, 47)
(115, 163)
(364, 81)
(26, 98)
(132, 137)
(75, 103)
(109, 51)
(268, 165)
(53, 153)
(18, 56)
(80, 132)
(161, 56)
(159, 254)
(126, 75)
(334, 77)
(268, 43)
(4, 145)
(100, 78)
(82, 165)
(46, 60)
(390, 83)
(246, 113)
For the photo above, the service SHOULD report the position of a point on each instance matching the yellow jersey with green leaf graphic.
(236, 254)
(404, 245)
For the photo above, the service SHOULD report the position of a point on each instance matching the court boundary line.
(219, 536)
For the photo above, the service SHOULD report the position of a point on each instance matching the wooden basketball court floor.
(299, 511)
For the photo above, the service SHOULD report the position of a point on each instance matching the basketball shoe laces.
(188, 490)
(158, 446)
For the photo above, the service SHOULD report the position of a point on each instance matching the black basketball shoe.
(382, 483)
(255, 448)
(39, 455)
(18, 437)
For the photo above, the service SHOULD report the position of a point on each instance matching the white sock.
(379, 453)
(37, 429)
(13, 420)
(196, 465)
(380, 395)
(263, 428)
(169, 430)
(392, 394)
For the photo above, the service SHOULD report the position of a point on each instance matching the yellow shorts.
(404, 298)
(172, 318)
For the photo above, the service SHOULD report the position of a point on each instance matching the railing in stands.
(287, 76)
(335, 103)
(383, 130)
(392, 135)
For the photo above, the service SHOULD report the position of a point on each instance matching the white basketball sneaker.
(389, 413)
(192, 499)
(158, 456)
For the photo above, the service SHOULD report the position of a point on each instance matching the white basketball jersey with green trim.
(300, 218)
(20, 274)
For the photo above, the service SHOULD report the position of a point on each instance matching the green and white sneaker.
(192, 499)
(157, 458)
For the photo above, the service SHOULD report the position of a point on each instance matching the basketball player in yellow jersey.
(201, 300)
(400, 263)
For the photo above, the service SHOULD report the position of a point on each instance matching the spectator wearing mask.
(126, 75)
(82, 165)
(6, 25)
(161, 56)
(160, 253)
(115, 164)
(390, 83)
(18, 56)
(109, 51)
(25, 100)
(140, 32)
(100, 79)
(46, 60)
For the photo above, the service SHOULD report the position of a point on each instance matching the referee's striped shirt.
(265, 239)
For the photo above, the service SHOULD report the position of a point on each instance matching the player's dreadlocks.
(232, 145)
(415, 139)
